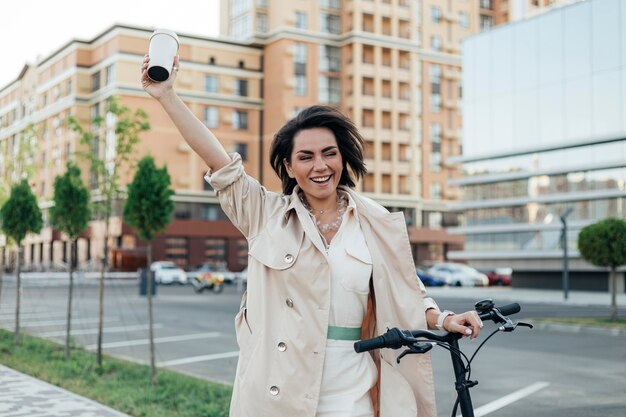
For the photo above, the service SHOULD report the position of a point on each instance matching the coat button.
(289, 302)
(282, 346)
(274, 390)
(289, 258)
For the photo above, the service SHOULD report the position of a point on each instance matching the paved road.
(583, 375)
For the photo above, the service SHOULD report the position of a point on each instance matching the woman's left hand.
(468, 323)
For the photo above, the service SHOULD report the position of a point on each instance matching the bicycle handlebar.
(396, 338)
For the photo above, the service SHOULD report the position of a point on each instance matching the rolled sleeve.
(227, 175)
(430, 303)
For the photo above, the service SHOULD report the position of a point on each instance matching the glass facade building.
(544, 130)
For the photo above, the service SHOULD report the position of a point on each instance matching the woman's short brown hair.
(349, 141)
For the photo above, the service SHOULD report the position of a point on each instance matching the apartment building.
(221, 81)
(543, 136)
(393, 66)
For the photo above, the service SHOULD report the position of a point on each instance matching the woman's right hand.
(157, 89)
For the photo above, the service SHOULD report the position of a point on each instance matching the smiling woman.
(326, 267)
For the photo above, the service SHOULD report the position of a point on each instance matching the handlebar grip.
(505, 310)
(369, 344)
(509, 309)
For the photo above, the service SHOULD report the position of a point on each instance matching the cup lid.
(166, 32)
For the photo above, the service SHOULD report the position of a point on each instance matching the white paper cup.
(163, 49)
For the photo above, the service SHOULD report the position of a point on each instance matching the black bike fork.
(462, 384)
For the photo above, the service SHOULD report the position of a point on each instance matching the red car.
(499, 276)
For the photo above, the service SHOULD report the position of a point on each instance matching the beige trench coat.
(281, 327)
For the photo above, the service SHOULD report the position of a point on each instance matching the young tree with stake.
(110, 148)
(148, 210)
(20, 215)
(70, 214)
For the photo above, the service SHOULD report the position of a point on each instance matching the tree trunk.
(153, 370)
(613, 285)
(105, 258)
(1, 272)
(18, 293)
(69, 300)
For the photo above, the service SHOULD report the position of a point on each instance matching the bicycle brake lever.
(509, 326)
(415, 348)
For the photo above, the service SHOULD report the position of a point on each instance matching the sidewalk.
(24, 396)
(502, 295)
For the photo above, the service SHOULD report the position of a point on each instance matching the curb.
(575, 328)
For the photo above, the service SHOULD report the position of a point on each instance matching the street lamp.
(563, 217)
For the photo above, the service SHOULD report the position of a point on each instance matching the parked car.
(459, 275)
(427, 279)
(498, 276)
(166, 272)
(218, 270)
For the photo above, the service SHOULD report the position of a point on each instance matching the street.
(524, 373)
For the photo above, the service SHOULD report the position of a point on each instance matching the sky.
(32, 28)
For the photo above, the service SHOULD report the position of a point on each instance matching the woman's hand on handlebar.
(468, 324)
(157, 89)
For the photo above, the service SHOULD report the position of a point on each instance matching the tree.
(71, 215)
(20, 215)
(148, 210)
(17, 162)
(604, 244)
(109, 152)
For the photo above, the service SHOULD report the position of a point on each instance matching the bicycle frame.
(421, 341)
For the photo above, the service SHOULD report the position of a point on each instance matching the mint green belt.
(343, 333)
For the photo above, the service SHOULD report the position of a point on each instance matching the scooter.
(208, 281)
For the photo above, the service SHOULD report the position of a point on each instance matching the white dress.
(347, 376)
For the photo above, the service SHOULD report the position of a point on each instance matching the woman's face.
(316, 165)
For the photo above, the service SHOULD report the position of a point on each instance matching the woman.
(326, 267)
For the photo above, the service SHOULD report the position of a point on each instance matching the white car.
(459, 275)
(166, 272)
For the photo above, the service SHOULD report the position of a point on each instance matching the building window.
(463, 20)
(330, 23)
(300, 86)
(238, 7)
(261, 22)
(110, 74)
(435, 14)
(485, 4)
(435, 191)
(486, 22)
(241, 88)
(299, 58)
(240, 120)
(215, 250)
(211, 83)
(176, 250)
(434, 72)
(435, 145)
(435, 103)
(211, 117)
(242, 149)
(301, 21)
(330, 58)
(95, 81)
(435, 43)
(329, 90)
(240, 27)
(330, 4)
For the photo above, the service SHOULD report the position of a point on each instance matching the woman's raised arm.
(195, 133)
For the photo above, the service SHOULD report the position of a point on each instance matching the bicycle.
(421, 341)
